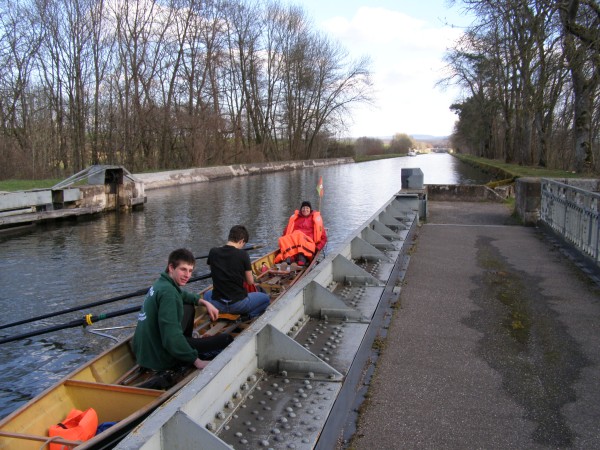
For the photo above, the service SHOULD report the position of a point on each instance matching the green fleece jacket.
(158, 342)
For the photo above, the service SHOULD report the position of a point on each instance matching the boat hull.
(99, 384)
(93, 385)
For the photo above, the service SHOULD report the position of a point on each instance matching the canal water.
(59, 266)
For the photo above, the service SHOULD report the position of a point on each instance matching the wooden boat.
(112, 383)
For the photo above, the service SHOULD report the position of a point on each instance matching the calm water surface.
(74, 263)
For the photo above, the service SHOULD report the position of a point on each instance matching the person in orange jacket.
(303, 237)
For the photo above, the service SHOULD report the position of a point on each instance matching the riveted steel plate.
(362, 298)
(379, 269)
(281, 413)
(335, 342)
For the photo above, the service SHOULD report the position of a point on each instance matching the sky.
(406, 41)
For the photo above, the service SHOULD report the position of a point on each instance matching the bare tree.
(368, 146)
(512, 67)
(168, 83)
(240, 77)
(581, 22)
(20, 38)
(139, 44)
(101, 45)
(401, 143)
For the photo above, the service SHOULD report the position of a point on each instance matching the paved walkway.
(496, 344)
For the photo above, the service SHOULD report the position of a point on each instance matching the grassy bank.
(25, 185)
(364, 158)
(514, 170)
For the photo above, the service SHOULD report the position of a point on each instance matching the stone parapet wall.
(465, 193)
(528, 196)
(187, 176)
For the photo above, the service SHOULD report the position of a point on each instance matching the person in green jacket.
(163, 335)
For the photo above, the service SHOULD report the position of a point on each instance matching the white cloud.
(407, 62)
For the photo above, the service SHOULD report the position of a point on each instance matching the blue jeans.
(252, 306)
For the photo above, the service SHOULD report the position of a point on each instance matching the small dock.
(94, 190)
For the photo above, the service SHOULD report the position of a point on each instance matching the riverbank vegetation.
(530, 74)
(159, 85)
(515, 170)
(165, 84)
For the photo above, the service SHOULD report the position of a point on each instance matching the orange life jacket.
(77, 426)
(317, 225)
(293, 244)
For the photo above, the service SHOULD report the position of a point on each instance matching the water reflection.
(74, 263)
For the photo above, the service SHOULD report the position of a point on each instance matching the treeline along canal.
(59, 266)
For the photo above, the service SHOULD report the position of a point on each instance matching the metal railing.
(573, 213)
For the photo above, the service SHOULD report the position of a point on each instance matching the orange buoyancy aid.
(317, 225)
(77, 426)
(293, 244)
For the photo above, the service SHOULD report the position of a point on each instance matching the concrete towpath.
(495, 344)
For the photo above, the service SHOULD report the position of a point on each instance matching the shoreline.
(199, 175)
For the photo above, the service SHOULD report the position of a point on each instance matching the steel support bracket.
(278, 353)
(390, 221)
(348, 273)
(361, 249)
(320, 302)
(181, 432)
(376, 239)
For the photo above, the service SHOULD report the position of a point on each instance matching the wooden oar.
(84, 321)
(108, 300)
(91, 305)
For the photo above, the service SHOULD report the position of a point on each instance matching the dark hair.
(238, 233)
(306, 203)
(181, 255)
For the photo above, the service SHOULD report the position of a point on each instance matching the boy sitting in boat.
(163, 335)
(303, 237)
(230, 267)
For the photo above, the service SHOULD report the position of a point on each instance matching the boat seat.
(227, 316)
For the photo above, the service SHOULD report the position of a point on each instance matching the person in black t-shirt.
(230, 268)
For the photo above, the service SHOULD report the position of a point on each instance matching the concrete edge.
(198, 175)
